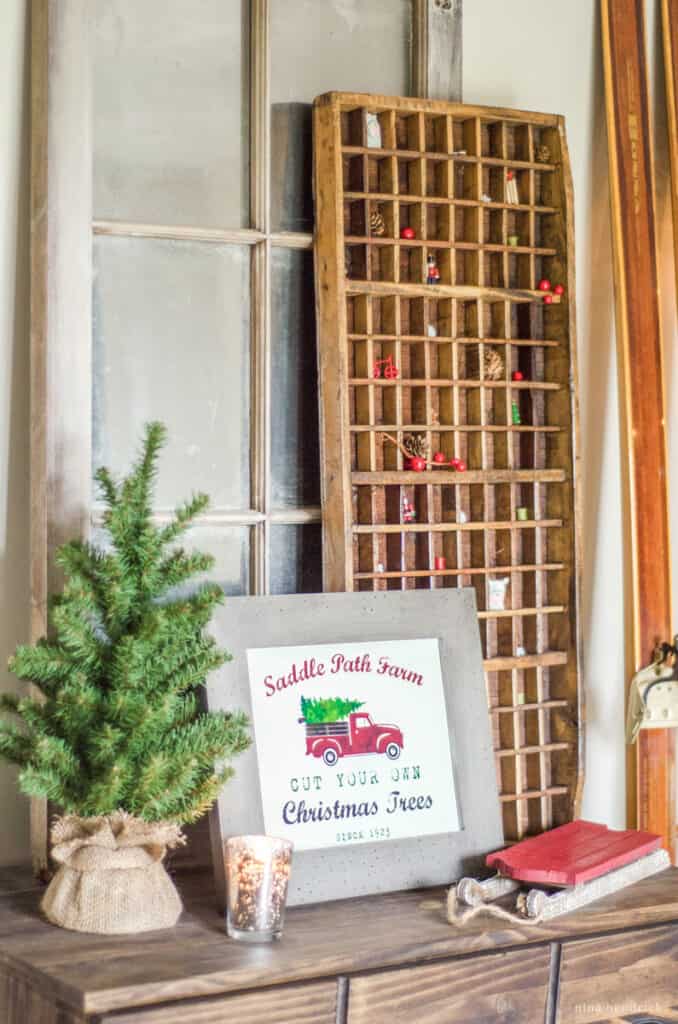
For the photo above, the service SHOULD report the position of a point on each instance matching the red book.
(572, 854)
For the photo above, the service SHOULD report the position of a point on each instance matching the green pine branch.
(119, 722)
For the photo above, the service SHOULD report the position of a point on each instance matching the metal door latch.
(653, 696)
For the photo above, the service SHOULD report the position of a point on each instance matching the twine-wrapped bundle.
(111, 879)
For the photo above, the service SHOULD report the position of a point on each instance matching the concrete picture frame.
(450, 616)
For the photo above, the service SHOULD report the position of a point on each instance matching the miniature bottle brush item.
(118, 740)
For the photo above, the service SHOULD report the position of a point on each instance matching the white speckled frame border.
(341, 872)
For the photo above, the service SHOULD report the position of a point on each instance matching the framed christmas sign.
(372, 748)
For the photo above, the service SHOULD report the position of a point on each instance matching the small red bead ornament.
(417, 464)
(548, 299)
(517, 375)
(559, 290)
(407, 233)
(459, 465)
(440, 458)
(544, 285)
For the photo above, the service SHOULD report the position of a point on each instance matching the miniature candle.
(440, 562)
(522, 514)
(257, 874)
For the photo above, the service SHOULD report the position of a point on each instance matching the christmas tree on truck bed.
(119, 723)
(327, 709)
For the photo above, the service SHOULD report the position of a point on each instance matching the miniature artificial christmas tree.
(119, 726)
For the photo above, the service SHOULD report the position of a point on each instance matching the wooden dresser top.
(95, 974)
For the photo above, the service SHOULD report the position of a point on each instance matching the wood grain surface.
(98, 974)
(513, 987)
(630, 976)
(650, 776)
(300, 1004)
(20, 1004)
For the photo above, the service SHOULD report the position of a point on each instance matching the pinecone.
(543, 154)
(416, 445)
(493, 365)
(377, 223)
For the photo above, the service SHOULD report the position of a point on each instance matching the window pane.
(230, 547)
(295, 463)
(171, 342)
(171, 112)
(350, 45)
(296, 559)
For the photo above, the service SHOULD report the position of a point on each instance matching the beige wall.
(14, 278)
(541, 57)
(547, 57)
(552, 62)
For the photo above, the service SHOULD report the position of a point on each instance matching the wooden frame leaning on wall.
(62, 228)
(670, 43)
(651, 764)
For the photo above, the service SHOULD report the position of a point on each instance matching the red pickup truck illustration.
(355, 734)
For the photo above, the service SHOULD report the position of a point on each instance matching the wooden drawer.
(300, 1004)
(505, 987)
(631, 976)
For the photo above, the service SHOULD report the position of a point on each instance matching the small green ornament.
(515, 414)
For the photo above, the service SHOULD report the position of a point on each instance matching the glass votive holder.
(257, 874)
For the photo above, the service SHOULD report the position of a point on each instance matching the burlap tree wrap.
(111, 879)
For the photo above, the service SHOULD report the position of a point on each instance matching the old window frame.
(62, 233)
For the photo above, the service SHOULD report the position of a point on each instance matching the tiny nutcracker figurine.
(432, 272)
(409, 514)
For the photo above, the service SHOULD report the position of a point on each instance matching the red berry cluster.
(545, 286)
(418, 463)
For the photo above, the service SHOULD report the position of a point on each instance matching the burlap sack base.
(111, 879)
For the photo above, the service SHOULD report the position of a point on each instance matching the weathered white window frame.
(61, 270)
